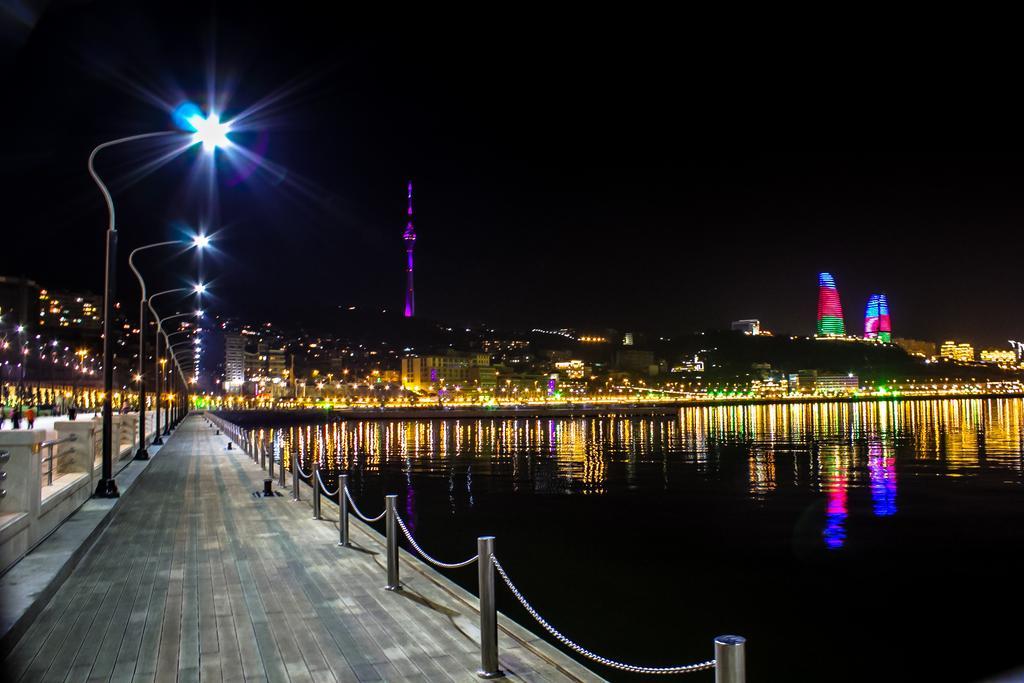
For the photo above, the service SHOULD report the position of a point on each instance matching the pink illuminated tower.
(410, 242)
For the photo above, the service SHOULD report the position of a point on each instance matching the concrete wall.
(32, 506)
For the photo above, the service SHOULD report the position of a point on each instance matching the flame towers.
(876, 319)
(830, 311)
(410, 241)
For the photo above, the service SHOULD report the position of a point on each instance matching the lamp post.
(211, 133)
(177, 364)
(181, 405)
(199, 241)
(198, 289)
(183, 363)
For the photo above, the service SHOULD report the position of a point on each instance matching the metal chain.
(324, 486)
(299, 468)
(689, 668)
(360, 515)
(428, 558)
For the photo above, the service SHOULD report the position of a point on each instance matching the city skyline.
(720, 225)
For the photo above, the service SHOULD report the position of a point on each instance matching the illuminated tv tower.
(410, 242)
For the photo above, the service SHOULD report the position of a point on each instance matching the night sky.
(638, 173)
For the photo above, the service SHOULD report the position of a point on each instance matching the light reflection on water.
(829, 449)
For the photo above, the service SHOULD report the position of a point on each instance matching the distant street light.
(199, 241)
(197, 289)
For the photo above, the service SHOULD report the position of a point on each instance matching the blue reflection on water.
(882, 473)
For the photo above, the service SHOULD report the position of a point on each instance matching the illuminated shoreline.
(619, 405)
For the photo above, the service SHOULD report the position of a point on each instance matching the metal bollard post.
(316, 495)
(270, 460)
(488, 610)
(342, 510)
(280, 471)
(390, 503)
(730, 659)
(263, 456)
(295, 477)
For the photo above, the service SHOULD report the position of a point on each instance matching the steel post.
(390, 506)
(343, 510)
(488, 610)
(730, 659)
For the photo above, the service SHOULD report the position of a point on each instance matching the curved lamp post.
(198, 289)
(177, 364)
(199, 241)
(183, 362)
(178, 367)
(211, 132)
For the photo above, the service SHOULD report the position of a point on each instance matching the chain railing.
(359, 513)
(425, 556)
(579, 649)
(729, 662)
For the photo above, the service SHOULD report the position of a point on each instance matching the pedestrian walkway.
(196, 578)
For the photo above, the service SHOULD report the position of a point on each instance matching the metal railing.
(5, 457)
(49, 457)
(729, 662)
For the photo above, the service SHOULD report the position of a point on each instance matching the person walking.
(16, 416)
(30, 417)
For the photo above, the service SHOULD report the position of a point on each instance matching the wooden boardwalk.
(196, 579)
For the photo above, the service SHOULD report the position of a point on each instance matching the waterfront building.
(573, 369)
(748, 326)
(627, 339)
(823, 382)
(830, 311)
(998, 356)
(234, 362)
(832, 383)
(877, 324)
(802, 381)
(961, 352)
(453, 367)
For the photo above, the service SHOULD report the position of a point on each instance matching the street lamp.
(177, 361)
(199, 241)
(198, 289)
(211, 133)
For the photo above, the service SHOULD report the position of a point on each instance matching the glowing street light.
(196, 289)
(212, 133)
(199, 241)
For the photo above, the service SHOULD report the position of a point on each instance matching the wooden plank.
(195, 579)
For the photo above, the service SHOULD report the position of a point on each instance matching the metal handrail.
(49, 446)
(5, 457)
(56, 442)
